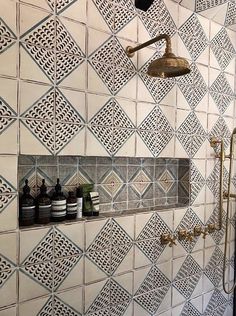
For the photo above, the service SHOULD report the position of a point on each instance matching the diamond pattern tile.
(140, 182)
(202, 5)
(197, 182)
(112, 65)
(158, 15)
(214, 218)
(187, 277)
(112, 183)
(212, 181)
(6, 113)
(190, 310)
(193, 36)
(189, 220)
(8, 38)
(111, 116)
(166, 180)
(53, 106)
(230, 14)
(214, 267)
(5, 269)
(217, 304)
(222, 93)
(61, 308)
(6, 193)
(222, 48)
(193, 86)
(191, 123)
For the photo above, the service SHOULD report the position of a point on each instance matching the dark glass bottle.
(27, 207)
(58, 212)
(71, 206)
(44, 205)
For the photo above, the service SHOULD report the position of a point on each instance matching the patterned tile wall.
(122, 183)
(67, 88)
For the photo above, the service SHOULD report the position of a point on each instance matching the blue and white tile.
(101, 15)
(8, 287)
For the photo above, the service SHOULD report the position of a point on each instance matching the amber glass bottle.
(71, 206)
(58, 204)
(43, 203)
(27, 207)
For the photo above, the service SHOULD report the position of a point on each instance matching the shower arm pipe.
(131, 50)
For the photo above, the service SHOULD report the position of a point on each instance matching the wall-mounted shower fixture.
(214, 143)
(168, 65)
(168, 239)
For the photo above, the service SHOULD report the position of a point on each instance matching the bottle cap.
(58, 186)
(26, 188)
(43, 188)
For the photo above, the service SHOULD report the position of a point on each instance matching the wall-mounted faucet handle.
(182, 234)
(211, 228)
(168, 239)
(205, 233)
(197, 231)
(189, 236)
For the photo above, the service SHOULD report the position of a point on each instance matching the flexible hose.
(231, 155)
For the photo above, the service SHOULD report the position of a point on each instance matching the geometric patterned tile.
(6, 113)
(60, 4)
(186, 138)
(212, 181)
(193, 36)
(6, 196)
(105, 61)
(7, 36)
(166, 181)
(158, 20)
(155, 131)
(230, 14)
(197, 182)
(221, 93)
(193, 86)
(190, 310)
(140, 182)
(118, 254)
(69, 248)
(42, 252)
(188, 277)
(189, 220)
(202, 5)
(214, 267)
(216, 305)
(61, 308)
(222, 48)
(104, 126)
(62, 268)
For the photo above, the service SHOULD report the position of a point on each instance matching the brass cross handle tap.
(189, 236)
(205, 233)
(168, 239)
(211, 228)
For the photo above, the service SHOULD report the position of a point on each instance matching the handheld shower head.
(168, 65)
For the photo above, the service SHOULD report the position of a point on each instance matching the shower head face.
(168, 66)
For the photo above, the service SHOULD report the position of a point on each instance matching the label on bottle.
(44, 210)
(71, 208)
(79, 207)
(27, 212)
(58, 208)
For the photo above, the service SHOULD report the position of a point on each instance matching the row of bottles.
(44, 209)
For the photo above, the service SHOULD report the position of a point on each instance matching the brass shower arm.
(131, 50)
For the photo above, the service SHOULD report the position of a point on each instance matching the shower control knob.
(189, 236)
(205, 233)
(172, 241)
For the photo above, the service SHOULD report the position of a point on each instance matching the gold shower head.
(168, 65)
